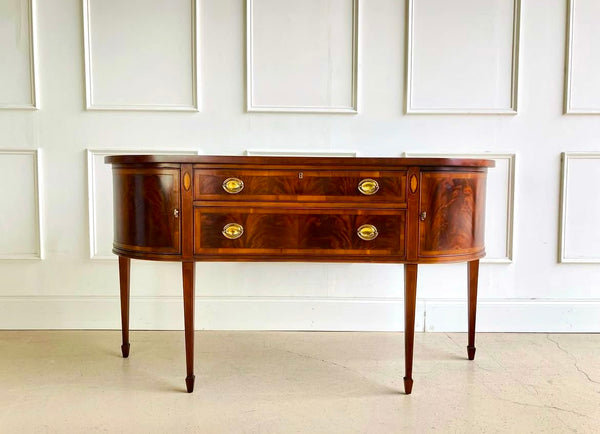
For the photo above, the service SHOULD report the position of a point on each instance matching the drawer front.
(271, 231)
(307, 185)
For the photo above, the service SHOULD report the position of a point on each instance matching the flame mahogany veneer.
(218, 208)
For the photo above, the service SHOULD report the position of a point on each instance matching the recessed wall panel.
(462, 56)
(19, 219)
(17, 77)
(580, 219)
(302, 55)
(140, 55)
(583, 57)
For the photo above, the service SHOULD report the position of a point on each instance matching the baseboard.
(212, 313)
(543, 316)
(299, 313)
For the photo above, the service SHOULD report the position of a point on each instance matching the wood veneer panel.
(452, 211)
(299, 231)
(300, 184)
(145, 201)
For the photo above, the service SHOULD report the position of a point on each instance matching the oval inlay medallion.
(413, 183)
(187, 181)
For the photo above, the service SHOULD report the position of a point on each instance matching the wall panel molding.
(412, 108)
(98, 249)
(509, 206)
(34, 102)
(569, 106)
(582, 214)
(37, 251)
(89, 71)
(253, 106)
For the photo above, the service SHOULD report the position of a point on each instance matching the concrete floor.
(263, 382)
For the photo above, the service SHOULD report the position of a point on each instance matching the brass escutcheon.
(233, 185)
(368, 186)
(233, 231)
(367, 232)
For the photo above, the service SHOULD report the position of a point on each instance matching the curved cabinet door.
(146, 203)
(451, 214)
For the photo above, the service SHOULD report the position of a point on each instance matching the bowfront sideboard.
(224, 208)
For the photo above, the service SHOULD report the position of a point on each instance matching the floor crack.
(585, 374)
(453, 341)
(550, 407)
(328, 362)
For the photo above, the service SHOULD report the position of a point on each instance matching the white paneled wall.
(462, 56)
(18, 81)
(302, 55)
(582, 93)
(580, 212)
(20, 219)
(140, 55)
(370, 78)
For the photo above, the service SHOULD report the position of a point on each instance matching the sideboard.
(225, 208)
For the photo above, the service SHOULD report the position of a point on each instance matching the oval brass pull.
(367, 232)
(423, 216)
(233, 231)
(233, 185)
(368, 186)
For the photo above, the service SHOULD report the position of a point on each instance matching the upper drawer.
(301, 185)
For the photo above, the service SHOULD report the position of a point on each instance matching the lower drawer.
(271, 231)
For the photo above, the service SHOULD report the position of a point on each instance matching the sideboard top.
(298, 161)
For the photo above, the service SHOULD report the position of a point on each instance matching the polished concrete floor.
(288, 382)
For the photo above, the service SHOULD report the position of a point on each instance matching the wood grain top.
(299, 161)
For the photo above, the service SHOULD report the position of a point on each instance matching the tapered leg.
(124, 268)
(188, 271)
(472, 276)
(410, 301)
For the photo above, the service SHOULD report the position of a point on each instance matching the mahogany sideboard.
(332, 209)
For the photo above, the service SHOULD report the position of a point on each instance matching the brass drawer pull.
(233, 185)
(233, 231)
(367, 232)
(368, 186)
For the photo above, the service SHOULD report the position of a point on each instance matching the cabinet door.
(452, 208)
(146, 203)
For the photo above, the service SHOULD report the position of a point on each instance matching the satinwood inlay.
(187, 181)
(413, 183)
